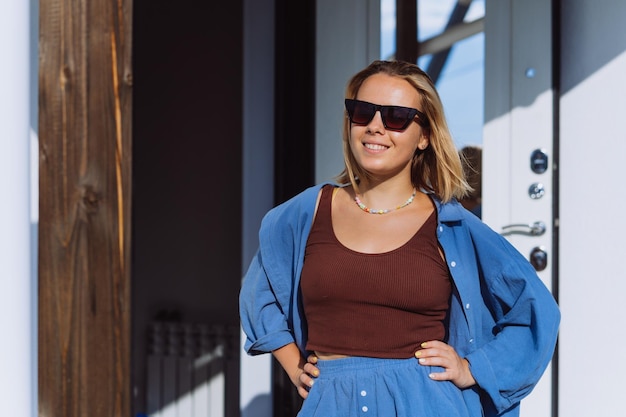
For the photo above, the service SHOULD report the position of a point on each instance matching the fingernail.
(431, 376)
(312, 382)
(418, 353)
(316, 373)
(422, 360)
(423, 345)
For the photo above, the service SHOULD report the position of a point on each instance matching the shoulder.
(453, 212)
(299, 204)
(471, 236)
(293, 214)
(453, 216)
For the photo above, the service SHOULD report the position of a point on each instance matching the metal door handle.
(535, 229)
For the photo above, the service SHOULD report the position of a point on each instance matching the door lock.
(539, 258)
(536, 190)
(539, 161)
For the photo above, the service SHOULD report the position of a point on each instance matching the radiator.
(186, 370)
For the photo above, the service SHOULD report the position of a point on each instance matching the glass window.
(461, 82)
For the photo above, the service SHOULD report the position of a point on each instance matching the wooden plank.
(84, 230)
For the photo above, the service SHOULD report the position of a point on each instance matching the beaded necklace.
(366, 209)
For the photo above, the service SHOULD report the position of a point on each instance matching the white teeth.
(375, 147)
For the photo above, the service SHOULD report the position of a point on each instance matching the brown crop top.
(378, 305)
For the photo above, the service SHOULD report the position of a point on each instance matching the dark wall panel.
(187, 167)
(294, 147)
(295, 98)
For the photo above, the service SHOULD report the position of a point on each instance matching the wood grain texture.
(85, 87)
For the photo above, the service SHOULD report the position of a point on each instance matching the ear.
(424, 141)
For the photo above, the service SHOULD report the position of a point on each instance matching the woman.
(410, 305)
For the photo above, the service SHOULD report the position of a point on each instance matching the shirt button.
(452, 264)
(364, 408)
(441, 228)
(467, 306)
(363, 393)
(471, 340)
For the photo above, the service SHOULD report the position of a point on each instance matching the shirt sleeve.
(262, 317)
(270, 305)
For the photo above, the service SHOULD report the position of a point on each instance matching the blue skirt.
(372, 387)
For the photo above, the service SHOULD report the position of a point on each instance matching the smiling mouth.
(375, 147)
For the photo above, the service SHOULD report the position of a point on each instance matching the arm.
(526, 324)
(267, 330)
(294, 365)
(270, 306)
(518, 328)
(263, 318)
(503, 319)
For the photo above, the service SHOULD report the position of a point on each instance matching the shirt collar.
(447, 212)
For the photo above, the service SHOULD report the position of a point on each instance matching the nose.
(376, 124)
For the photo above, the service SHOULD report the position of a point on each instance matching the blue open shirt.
(503, 319)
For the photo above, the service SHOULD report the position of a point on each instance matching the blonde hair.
(436, 169)
(471, 160)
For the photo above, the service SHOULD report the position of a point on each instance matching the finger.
(440, 376)
(440, 361)
(426, 353)
(457, 376)
(434, 344)
(306, 380)
(312, 358)
(436, 348)
(311, 369)
(431, 353)
(303, 392)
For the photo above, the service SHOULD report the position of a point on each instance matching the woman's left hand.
(436, 353)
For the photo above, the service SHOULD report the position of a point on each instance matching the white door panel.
(518, 121)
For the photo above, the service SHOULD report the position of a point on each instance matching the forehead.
(388, 90)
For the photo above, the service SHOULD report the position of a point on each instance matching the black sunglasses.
(394, 117)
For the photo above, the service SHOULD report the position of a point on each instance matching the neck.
(378, 201)
(385, 193)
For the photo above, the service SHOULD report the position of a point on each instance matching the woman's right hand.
(306, 379)
(300, 373)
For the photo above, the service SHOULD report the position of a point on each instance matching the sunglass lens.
(362, 112)
(397, 117)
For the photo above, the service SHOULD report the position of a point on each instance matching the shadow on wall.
(260, 406)
(581, 54)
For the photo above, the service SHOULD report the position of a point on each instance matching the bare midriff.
(329, 356)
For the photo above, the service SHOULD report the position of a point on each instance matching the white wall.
(258, 177)
(17, 287)
(593, 209)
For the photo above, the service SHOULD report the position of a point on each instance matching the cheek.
(408, 142)
(355, 133)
